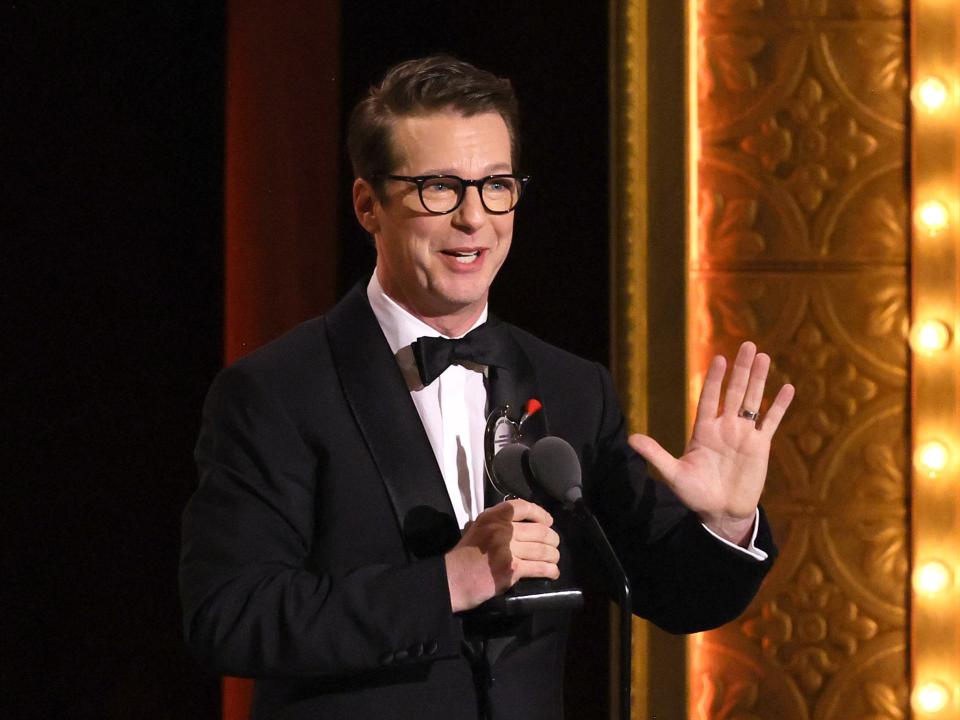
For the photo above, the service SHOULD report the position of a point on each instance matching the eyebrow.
(494, 169)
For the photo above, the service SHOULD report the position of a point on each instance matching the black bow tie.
(484, 345)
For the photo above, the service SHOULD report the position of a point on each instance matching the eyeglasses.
(442, 194)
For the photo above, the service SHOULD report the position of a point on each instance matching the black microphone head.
(556, 467)
(511, 472)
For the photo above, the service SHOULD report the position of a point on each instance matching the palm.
(723, 468)
(722, 471)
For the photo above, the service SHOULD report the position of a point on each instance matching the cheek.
(504, 230)
(406, 242)
(503, 224)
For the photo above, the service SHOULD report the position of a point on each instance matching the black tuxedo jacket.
(312, 554)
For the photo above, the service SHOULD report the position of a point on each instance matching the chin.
(462, 294)
(452, 304)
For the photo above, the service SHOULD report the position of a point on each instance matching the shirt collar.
(401, 328)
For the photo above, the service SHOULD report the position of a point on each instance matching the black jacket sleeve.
(254, 604)
(682, 578)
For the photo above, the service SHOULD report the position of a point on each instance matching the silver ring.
(751, 415)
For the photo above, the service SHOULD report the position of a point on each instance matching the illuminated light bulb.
(932, 457)
(932, 217)
(931, 94)
(931, 697)
(930, 336)
(932, 577)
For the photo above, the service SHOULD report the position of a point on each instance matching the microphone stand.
(501, 431)
(615, 571)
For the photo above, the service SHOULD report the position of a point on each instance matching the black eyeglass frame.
(421, 180)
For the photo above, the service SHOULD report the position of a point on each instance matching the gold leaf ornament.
(882, 8)
(718, 701)
(888, 314)
(810, 628)
(883, 53)
(728, 60)
(883, 227)
(772, 145)
(884, 702)
(728, 226)
(882, 480)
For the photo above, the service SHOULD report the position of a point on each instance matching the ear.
(364, 206)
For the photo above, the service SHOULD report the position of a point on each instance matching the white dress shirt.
(452, 407)
(453, 411)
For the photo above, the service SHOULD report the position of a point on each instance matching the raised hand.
(722, 471)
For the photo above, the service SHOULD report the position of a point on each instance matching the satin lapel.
(516, 385)
(391, 427)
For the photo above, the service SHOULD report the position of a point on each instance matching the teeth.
(462, 257)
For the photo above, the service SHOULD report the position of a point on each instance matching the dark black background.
(555, 282)
(112, 295)
(111, 163)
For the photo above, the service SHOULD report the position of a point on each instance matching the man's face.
(440, 267)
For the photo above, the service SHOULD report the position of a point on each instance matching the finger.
(758, 379)
(771, 420)
(654, 453)
(535, 551)
(535, 568)
(709, 403)
(502, 511)
(738, 377)
(525, 510)
(535, 532)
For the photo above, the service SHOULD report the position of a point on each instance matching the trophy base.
(529, 596)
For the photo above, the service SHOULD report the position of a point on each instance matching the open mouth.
(464, 257)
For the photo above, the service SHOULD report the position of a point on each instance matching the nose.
(471, 214)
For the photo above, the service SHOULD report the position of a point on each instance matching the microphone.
(555, 465)
(511, 474)
(556, 468)
(512, 470)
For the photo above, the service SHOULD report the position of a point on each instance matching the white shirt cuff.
(752, 550)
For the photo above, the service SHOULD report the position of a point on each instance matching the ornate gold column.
(647, 253)
(799, 242)
(798, 201)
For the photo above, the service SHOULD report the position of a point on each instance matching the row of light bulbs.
(932, 95)
(930, 337)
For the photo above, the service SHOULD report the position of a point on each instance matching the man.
(337, 548)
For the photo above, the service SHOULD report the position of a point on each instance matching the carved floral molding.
(801, 246)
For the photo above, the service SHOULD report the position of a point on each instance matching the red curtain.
(282, 127)
(282, 182)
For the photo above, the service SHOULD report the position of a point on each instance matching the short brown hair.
(415, 87)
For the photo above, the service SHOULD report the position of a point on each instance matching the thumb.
(653, 453)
